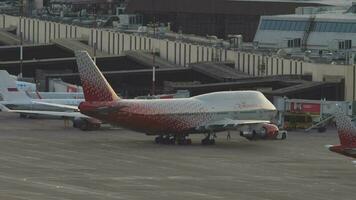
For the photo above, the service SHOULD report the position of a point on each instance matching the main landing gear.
(167, 139)
(183, 139)
(209, 139)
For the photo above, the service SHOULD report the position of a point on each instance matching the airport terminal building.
(324, 34)
(215, 17)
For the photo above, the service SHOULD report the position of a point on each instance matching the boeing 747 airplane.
(172, 120)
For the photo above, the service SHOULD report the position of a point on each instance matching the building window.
(348, 44)
(294, 43)
(349, 28)
(288, 25)
(345, 44)
(337, 27)
(283, 25)
(330, 27)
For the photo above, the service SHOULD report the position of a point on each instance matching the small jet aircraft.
(31, 90)
(16, 101)
(347, 135)
(25, 86)
(13, 98)
(174, 119)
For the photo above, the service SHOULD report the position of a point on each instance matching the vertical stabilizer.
(346, 130)
(8, 89)
(95, 86)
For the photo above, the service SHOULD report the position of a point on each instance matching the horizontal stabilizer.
(49, 113)
(69, 107)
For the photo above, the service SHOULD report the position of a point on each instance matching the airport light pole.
(154, 58)
(153, 90)
(153, 80)
(21, 55)
(96, 36)
(21, 37)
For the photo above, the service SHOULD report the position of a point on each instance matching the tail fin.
(9, 90)
(95, 86)
(346, 130)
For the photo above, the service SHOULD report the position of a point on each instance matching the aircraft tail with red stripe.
(8, 89)
(95, 86)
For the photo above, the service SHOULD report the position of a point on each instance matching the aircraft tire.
(284, 136)
(189, 141)
(167, 140)
(84, 126)
(159, 140)
(204, 141)
(254, 135)
(212, 142)
(172, 141)
(23, 116)
(184, 142)
(207, 141)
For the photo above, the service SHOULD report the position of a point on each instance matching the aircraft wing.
(234, 123)
(50, 113)
(74, 108)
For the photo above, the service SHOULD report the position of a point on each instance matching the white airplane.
(31, 89)
(15, 99)
(174, 119)
(25, 86)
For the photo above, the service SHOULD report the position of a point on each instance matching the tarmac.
(42, 159)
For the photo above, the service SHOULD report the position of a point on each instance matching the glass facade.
(288, 25)
(283, 25)
(338, 27)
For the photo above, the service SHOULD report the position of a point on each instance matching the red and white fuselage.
(214, 111)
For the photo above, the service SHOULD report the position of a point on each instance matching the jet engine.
(86, 124)
(264, 132)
